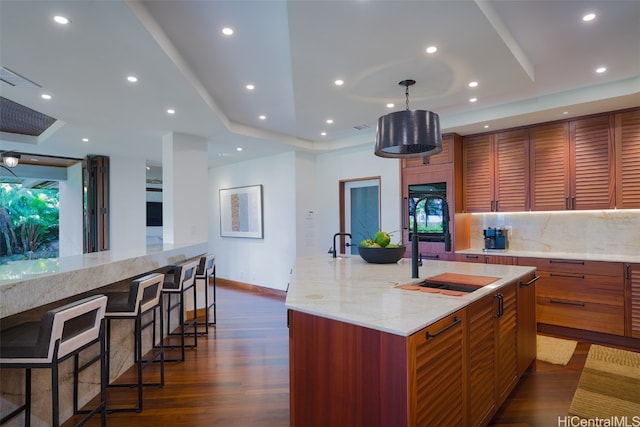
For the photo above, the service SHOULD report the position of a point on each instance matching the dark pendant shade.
(408, 133)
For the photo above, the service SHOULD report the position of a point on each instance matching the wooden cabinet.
(436, 373)
(627, 149)
(442, 167)
(496, 172)
(486, 259)
(492, 361)
(549, 167)
(526, 326)
(585, 295)
(632, 300)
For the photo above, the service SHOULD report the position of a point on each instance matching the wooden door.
(506, 357)
(550, 167)
(592, 163)
(632, 297)
(512, 171)
(627, 149)
(526, 323)
(478, 169)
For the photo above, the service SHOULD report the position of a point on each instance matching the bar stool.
(144, 296)
(60, 334)
(178, 281)
(207, 269)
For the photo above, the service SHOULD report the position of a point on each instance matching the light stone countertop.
(350, 290)
(631, 258)
(29, 284)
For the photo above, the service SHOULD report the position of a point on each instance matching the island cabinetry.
(496, 172)
(632, 297)
(436, 373)
(492, 361)
(587, 295)
(526, 324)
(346, 375)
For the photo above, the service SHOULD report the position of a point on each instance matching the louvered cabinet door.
(481, 393)
(627, 143)
(632, 293)
(506, 356)
(477, 170)
(512, 171)
(550, 167)
(592, 157)
(436, 389)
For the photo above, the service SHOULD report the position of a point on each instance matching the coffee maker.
(495, 239)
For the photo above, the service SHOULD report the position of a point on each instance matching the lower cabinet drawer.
(593, 303)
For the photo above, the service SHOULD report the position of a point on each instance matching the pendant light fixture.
(407, 133)
(10, 159)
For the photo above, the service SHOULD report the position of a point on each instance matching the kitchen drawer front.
(595, 303)
(601, 268)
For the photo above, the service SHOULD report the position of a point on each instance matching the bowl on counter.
(381, 255)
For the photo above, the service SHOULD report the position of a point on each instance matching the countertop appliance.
(495, 239)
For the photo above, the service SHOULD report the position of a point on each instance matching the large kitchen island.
(366, 350)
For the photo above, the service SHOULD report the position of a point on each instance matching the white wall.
(265, 262)
(306, 205)
(71, 212)
(127, 202)
(359, 162)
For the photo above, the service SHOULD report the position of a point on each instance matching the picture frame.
(241, 212)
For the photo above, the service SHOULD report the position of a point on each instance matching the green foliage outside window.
(29, 223)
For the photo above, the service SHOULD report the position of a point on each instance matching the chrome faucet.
(333, 250)
(414, 238)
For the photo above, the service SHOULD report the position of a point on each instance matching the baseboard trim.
(249, 287)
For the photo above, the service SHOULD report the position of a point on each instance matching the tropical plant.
(28, 219)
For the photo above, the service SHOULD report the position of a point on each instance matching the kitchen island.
(366, 352)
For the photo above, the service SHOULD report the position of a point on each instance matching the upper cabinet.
(496, 172)
(579, 164)
(627, 148)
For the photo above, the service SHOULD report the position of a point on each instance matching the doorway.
(360, 210)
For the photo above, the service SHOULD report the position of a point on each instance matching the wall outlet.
(509, 230)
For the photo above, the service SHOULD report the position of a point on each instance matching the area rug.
(609, 386)
(555, 350)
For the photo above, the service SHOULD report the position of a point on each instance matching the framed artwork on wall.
(241, 212)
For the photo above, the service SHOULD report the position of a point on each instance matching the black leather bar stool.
(178, 281)
(144, 296)
(61, 333)
(207, 269)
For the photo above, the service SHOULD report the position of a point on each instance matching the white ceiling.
(533, 60)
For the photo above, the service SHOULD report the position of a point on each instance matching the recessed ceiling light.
(227, 31)
(239, 149)
(250, 87)
(329, 121)
(473, 84)
(85, 139)
(323, 133)
(339, 82)
(62, 20)
(132, 79)
(589, 17)
(262, 117)
(391, 105)
(565, 113)
(601, 70)
(432, 49)
(45, 96)
(171, 111)
(473, 99)
(486, 126)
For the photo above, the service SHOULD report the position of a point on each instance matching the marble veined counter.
(29, 284)
(350, 290)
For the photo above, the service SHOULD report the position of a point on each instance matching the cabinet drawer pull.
(570, 276)
(456, 320)
(471, 256)
(565, 261)
(431, 256)
(559, 301)
(530, 282)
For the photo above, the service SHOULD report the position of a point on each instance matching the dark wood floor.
(238, 376)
